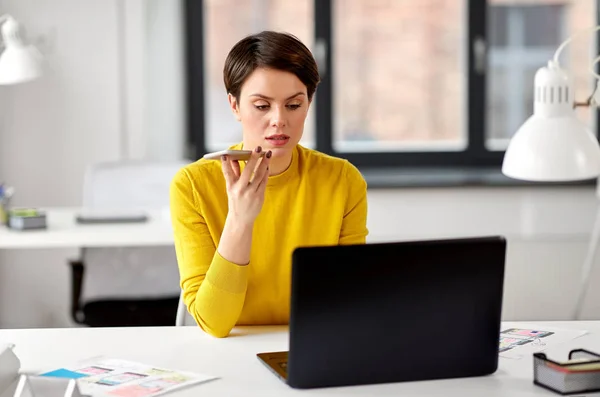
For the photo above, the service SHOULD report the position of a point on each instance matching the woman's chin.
(279, 151)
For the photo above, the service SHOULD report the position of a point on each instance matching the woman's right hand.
(246, 190)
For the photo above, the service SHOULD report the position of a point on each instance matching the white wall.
(82, 111)
(75, 114)
(152, 58)
(50, 130)
(165, 79)
(547, 230)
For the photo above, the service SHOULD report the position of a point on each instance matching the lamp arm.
(556, 62)
(567, 41)
(591, 70)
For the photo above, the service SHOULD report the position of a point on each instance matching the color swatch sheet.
(109, 377)
(515, 342)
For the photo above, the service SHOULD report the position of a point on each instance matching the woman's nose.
(278, 118)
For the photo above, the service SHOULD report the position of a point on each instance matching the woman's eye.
(294, 107)
(261, 107)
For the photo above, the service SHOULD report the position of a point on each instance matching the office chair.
(127, 286)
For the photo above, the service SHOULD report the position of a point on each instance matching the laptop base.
(276, 362)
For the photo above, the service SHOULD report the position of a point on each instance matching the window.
(428, 83)
(397, 75)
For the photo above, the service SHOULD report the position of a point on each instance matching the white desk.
(234, 360)
(64, 232)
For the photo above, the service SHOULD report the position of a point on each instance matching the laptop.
(393, 312)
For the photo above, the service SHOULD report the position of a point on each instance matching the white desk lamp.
(554, 146)
(19, 62)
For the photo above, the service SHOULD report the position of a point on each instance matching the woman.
(235, 230)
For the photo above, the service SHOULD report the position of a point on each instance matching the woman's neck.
(280, 164)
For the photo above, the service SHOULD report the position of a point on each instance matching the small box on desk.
(26, 219)
(581, 374)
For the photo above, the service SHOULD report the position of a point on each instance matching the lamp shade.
(19, 62)
(552, 150)
(552, 145)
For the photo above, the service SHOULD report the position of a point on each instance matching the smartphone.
(232, 154)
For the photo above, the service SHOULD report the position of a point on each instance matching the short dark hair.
(271, 50)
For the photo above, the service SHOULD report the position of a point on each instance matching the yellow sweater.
(318, 200)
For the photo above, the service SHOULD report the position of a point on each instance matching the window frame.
(474, 156)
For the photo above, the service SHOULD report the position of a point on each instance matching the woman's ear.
(235, 106)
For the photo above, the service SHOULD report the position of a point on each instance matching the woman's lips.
(278, 140)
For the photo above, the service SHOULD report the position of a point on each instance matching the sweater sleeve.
(214, 289)
(354, 225)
